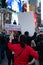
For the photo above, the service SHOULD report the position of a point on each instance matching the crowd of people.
(21, 49)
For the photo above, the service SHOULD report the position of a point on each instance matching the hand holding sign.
(11, 37)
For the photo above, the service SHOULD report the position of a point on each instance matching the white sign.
(26, 20)
(12, 27)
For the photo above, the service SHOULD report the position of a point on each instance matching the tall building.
(38, 3)
(33, 2)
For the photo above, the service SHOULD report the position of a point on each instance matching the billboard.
(14, 5)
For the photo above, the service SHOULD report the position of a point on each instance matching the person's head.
(26, 33)
(14, 22)
(22, 40)
(35, 34)
(19, 32)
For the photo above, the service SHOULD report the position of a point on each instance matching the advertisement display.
(14, 5)
(17, 6)
(14, 18)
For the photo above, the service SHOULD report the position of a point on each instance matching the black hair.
(22, 41)
(35, 34)
(26, 33)
(19, 32)
(14, 22)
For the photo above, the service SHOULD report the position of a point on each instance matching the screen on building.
(14, 5)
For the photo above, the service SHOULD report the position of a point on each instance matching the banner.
(12, 27)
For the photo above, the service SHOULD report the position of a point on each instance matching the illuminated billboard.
(14, 5)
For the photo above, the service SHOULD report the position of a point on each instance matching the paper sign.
(12, 27)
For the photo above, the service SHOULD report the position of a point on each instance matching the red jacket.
(23, 58)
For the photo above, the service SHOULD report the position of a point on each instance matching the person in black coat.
(9, 52)
(28, 38)
(2, 46)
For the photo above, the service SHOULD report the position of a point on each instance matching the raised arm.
(10, 45)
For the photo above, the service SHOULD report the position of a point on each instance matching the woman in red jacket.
(22, 52)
